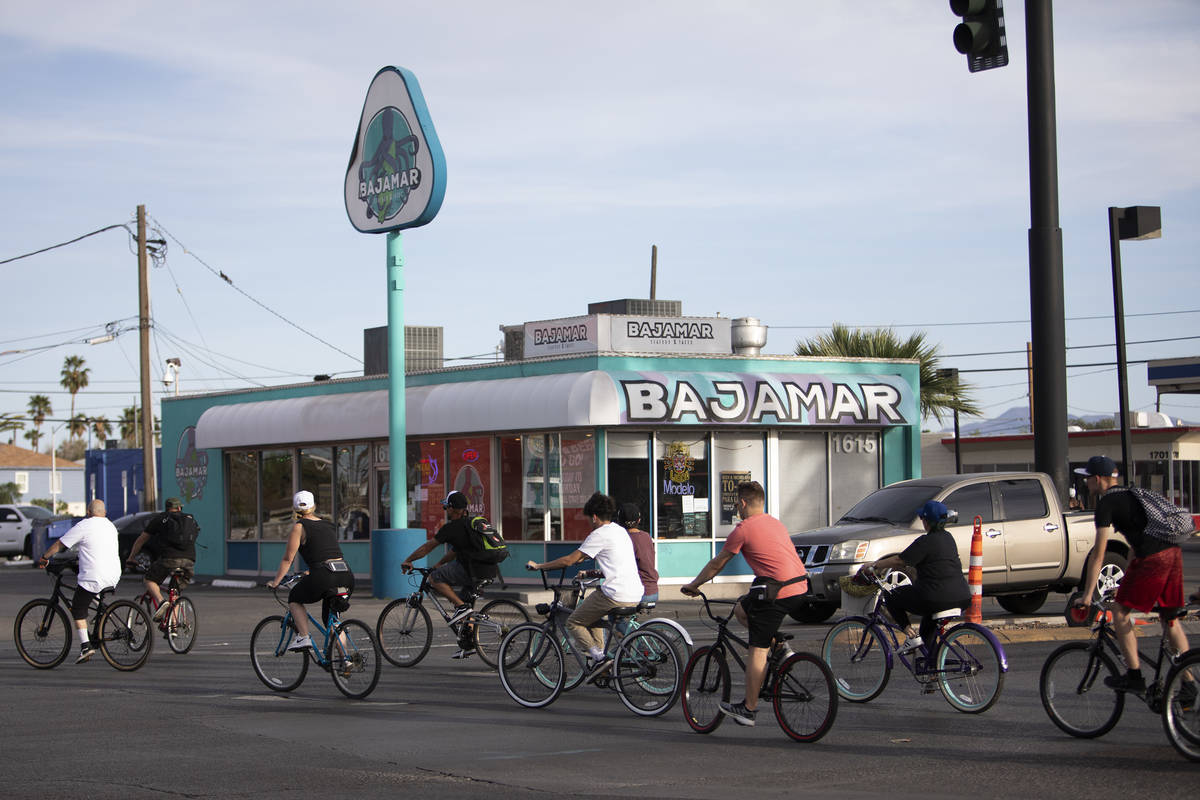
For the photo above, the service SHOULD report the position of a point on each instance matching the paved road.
(201, 725)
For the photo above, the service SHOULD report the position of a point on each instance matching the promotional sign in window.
(397, 173)
(729, 495)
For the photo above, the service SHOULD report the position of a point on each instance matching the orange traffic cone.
(975, 573)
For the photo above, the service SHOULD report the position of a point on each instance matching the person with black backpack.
(171, 538)
(1154, 577)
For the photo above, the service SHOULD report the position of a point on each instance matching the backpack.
(1164, 519)
(488, 546)
(180, 531)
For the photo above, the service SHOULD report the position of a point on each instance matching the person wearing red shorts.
(1154, 577)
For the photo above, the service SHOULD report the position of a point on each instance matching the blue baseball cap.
(934, 511)
(1100, 466)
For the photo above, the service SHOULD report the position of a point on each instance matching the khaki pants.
(583, 619)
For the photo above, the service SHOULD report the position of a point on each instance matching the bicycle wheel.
(492, 622)
(181, 626)
(404, 632)
(1181, 711)
(125, 635)
(705, 687)
(279, 669)
(970, 669)
(531, 666)
(673, 635)
(857, 654)
(353, 659)
(1073, 691)
(805, 697)
(42, 633)
(647, 673)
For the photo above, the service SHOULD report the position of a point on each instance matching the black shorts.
(764, 618)
(80, 602)
(162, 568)
(319, 584)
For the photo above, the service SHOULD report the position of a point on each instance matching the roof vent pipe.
(749, 336)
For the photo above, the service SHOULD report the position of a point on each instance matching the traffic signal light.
(980, 36)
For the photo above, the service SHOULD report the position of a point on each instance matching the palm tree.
(129, 425)
(101, 429)
(78, 425)
(74, 378)
(12, 422)
(940, 392)
(39, 409)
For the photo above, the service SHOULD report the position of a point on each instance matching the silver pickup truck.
(1030, 547)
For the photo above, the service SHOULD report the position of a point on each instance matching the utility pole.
(149, 472)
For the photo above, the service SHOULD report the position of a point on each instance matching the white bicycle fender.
(682, 630)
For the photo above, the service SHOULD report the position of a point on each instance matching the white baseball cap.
(303, 501)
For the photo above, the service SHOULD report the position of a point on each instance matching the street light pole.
(1135, 222)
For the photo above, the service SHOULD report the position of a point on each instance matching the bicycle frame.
(95, 608)
(724, 635)
(1104, 636)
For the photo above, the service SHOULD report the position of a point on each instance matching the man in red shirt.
(764, 542)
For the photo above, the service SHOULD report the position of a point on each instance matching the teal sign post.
(396, 179)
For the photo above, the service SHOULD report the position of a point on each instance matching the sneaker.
(300, 643)
(1187, 696)
(460, 613)
(1129, 682)
(464, 652)
(598, 668)
(910, 644)
(85, 652)
(741, 715)
(161, 611)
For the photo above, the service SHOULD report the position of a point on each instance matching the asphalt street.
(202, 725)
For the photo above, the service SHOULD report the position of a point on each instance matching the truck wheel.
(1022, 603)
(812, 613)
(1111, 571)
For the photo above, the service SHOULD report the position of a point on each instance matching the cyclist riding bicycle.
(1154, 577)
(328, 574)
(779, 581)
(457, 568)
(629, 517)
(99, 566)
(939, 584)
(168, 556)
(612, 549)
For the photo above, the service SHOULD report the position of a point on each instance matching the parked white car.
(16, 525)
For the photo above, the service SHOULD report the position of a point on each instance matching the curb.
(227, 583)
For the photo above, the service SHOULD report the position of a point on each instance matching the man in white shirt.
(99, 566)
(612, 549)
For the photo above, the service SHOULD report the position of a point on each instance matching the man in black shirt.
(167, 556)
(1154, 576)
(457, 568)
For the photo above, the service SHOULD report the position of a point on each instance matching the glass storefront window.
(352, 504)
(427, 484)
(681, 486)
(241, 468)
(512, 488)
(853, 469)
(629, 470)
(276, 481)
(533, 481)
(803, 481)
(383, 496)
(470, 472)
(316, 475)
(738, 457)
(578, 481)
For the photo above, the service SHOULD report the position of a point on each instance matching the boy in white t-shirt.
(99, 566)
(612, 549)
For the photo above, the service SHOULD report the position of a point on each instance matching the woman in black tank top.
(315, 540)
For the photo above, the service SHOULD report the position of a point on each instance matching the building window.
(681, 485)
(629, 471)
(803, 481)
(578, 482)
(853, 469)
(541, 479)
(512, 487)
(316, 476)
(241, 469)
(352, 502)
(21, 479)
(738, 457)
(426, 484)
(469, 462)
(276, 481)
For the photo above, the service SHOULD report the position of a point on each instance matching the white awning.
(541, 402)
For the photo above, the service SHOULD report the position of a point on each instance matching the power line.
(993, 322)
(218, 273)
(72, 241)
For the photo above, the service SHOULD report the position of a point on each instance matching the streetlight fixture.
(54, 466)
(1136, 223)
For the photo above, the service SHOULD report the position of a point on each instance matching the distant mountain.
(1015, 421)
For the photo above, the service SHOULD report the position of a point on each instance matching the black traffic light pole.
(1045, 253)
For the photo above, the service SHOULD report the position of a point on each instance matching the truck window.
(8, 515)
(1022, 499)
(970, 502)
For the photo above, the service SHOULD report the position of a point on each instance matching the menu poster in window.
(729, 495)
(578, 472)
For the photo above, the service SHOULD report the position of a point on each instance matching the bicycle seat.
(946, 613)
(339, 599)
(623, 612)
(644, 607)
(1171, 612)
(106, 592)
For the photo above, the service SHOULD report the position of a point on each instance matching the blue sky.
(802, 163)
